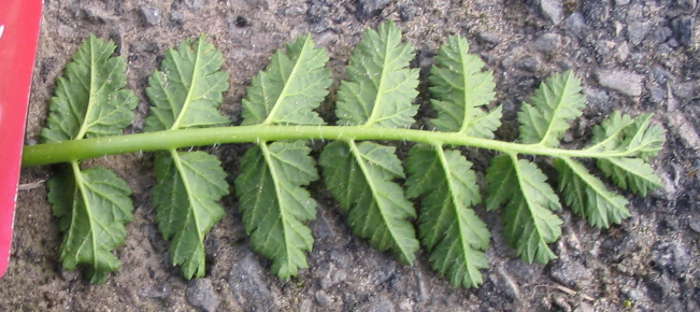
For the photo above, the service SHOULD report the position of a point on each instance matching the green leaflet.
(554, 105)
(379, 91)
(275, 204)
(637, 140)
(185, 93)
(189, 186)
(94, 204)
(529, 222)
(448, 226)
(588, 196)
(188, 89)
(359, 175)
(380, 88)
(459, 88)
(290, 88)
(90, 98)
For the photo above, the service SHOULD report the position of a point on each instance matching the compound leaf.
(529, 201)
(459, 87)
(360, 176)
(448, 226)
(189, 186)
(185, 93)
(93, 206)
(554, 105)
(275, 204)
(632, 174)
(292, 86)
(90, 98)
(588, 196)
(188, 89)
(380, 88)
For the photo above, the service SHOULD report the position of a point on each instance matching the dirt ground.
(649, 263)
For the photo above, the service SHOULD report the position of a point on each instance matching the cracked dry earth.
(632, 55)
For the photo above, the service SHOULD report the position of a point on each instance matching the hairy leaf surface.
(93, 206)
(379, 88)
(275, 204)
(187, 91)
(588, 196)
(529, 201)
(448, 226)
(90, 98)
(459, 87)
(360, 176)
(292, 86)
(549, 112)
(189, 186)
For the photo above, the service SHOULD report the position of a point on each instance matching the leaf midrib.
(193, 82)
(191, 213)
(79, 183)
(380, 88)
(555, 113)
(529, 204)
(283, 94)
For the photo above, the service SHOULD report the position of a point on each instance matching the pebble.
(552, 10)
(672, 256)
(407, 12)
(570, 273)
(151, 16)
(201, 294)
(694, 224)
(686, 4)
(548, 43)
(529, 63)
(661, 34)
(379, 304)
(323, 299)
(636, 31)
(621, 2)
(627, 83)
(194, 4)
(248, 286)
(683, 29)
(367, 8)
(575, 24)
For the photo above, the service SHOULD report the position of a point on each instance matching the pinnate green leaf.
(93, 206)
(549, 112)
(528, 204)
(379, 88)
(460, 87)
(292, 86)
(275, 204)
(360, 176)
(90, 98)
(188, 89)
(189, 186)
(449, 228)
(588, 196)
(186, 93)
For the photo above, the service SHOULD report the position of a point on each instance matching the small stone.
(378, 304)
(548, 43)
(323, 299)
(661, 34)
(552, 9)
(294, 10)
(194, 4)
(672, 257)
(636, 31)
(529, 63)
(368, 8)
(93, 15)
(201, 294)
(570, 273)
(584, 307)
(622, 51)
(627, 83)
(151, 16)
(686, 4)
(305, 306)
(488, 37)
(694, 224)
(683, 29)
(248, 286)
(177, 18)
(575, 24)
(621, 2)
(596, 13)
(407, 12)
(685, 90)
(657, 95)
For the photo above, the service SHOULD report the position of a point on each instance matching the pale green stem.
(66, 151)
